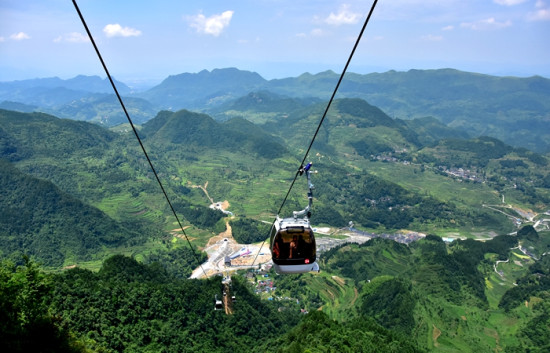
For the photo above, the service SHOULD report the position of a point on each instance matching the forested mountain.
(203, 89)
(53, 227)
(104, 109)
(428, 296)
(445, 297)
(509, 108)
(512, 109)
(18, 107)
(26, 90)
(58, 150)
(200, 130)
(516, 107)
(43, 135)
(430, 130)
(107, 170)
(242, 162)
(87, 98)
(128, 306)
(261, 107)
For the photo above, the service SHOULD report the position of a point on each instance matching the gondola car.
(292, 241)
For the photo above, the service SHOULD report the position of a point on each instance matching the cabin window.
(295, 244)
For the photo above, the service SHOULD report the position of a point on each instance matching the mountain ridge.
(509, 108)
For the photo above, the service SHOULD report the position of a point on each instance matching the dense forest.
(404, 295)
(128, 306)
(439, 295)
(42, 221)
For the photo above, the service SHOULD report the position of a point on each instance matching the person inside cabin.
(276, 250)
(293, 247)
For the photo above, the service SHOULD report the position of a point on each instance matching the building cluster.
(388, 157)
(405, 238)
(461, 173)
(357, 236)
(264, 286)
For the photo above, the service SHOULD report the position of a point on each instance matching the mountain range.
(514, 110)
(242, 161)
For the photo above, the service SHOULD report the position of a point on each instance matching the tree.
(25, 324)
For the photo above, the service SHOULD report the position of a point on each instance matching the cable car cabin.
(218, 304)
(293, 248)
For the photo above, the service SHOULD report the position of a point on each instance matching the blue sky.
(145, 41)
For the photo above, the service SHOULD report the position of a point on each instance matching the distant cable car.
(292, 241)
(218, 304)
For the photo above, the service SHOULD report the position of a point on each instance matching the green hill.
(130, 306)
(511, 109)
(261, 107)
(430, 130)
(78, 83)
(43, 135)
(242, 163)
(108, 171)
(87, 98)
(191, 91)
(467, 296)
(200, 130)
(51, 226)
(104, 109)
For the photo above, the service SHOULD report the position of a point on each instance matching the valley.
(428, 239)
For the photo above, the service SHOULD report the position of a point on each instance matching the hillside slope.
(51, 226)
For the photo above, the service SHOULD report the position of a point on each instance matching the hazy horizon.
(141, 42)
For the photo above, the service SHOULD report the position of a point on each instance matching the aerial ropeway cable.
(287, 232)
(136, 133)
(294, 233)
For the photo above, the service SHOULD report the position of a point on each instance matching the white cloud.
(448, 28)
(116, 30)
(509, 2)
(73, 37)
(432, 38)
(317, 32)
(213, 25)
(2, 39)
(489, 23)
(541, 14)
(247, 41)
(20, 36)
(343, 17)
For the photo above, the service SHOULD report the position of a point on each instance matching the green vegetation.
(318, 333)
(26, 325)
(436, 293)
(179, 261)
(74, 193)
(248, 231)
(52, 226)
(128, 306)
